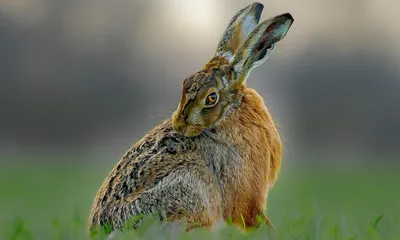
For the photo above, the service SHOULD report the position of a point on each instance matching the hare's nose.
(178, 126)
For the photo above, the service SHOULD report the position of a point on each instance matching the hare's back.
(161, 159)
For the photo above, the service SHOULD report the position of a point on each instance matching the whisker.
(214, 170)
(161, 112)
(215, 137)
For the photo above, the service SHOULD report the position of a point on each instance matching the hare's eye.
(211, 99)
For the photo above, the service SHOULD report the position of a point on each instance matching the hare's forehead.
(198, 83)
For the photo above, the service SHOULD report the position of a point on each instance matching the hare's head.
(209, 95)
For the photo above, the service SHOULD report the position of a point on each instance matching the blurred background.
(95, 75)
(83, 80)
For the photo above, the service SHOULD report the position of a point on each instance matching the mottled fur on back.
(147, 172)
(220, 152)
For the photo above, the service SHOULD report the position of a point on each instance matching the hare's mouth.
(187, 130)
(192, 131)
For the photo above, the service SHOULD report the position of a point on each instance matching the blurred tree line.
(58, 92)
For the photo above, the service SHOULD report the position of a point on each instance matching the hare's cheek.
(195, 117)
(212, 115)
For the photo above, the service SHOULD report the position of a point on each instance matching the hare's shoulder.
(161, 140)
(157, 155)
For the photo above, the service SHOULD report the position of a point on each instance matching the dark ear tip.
(258, 4)
(286, 19)
(258, 8)
(288, 16)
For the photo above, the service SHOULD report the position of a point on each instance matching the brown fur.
(208, 163)
(251, 126)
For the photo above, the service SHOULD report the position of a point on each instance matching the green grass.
(48, 201)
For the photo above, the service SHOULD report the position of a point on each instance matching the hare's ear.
(259, 45)
(242, 23)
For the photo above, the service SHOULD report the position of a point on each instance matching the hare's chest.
(251, 131)
(245, 176)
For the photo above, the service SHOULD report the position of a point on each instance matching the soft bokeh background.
(82, 80)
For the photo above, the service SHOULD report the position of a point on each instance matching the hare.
(218, 155)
